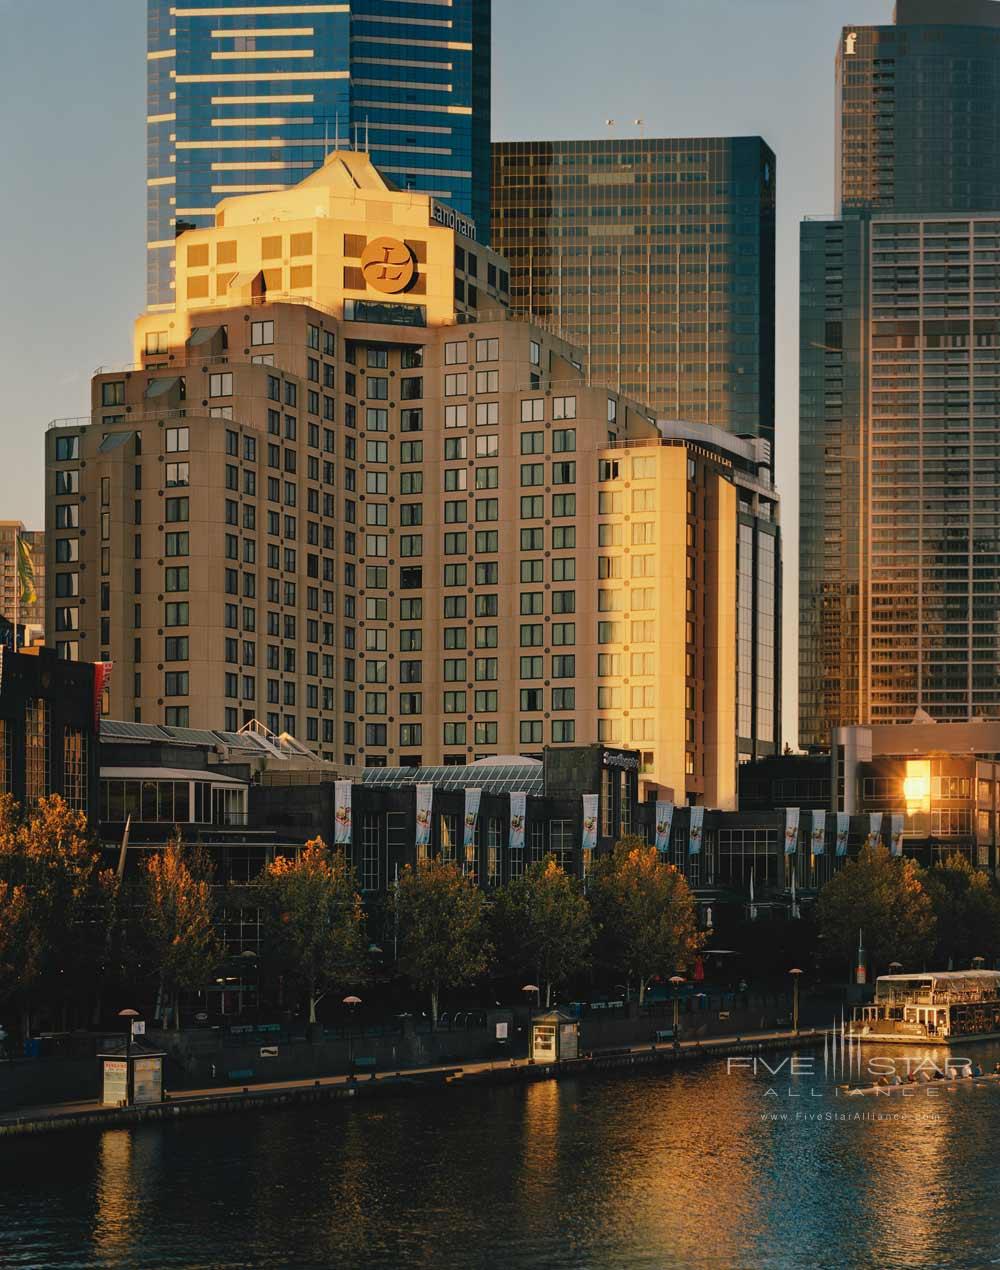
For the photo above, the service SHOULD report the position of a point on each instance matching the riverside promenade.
(228, 1098)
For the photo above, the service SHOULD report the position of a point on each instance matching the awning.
(203, 335)
(113, 441)
(162, 387)
(169, 774)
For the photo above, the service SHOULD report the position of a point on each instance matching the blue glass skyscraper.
(249, 95)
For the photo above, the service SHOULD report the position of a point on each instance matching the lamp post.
(795, 999)
(677, 980)
(527, 989)
(130, 1015)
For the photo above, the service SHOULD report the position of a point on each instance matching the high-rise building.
(252, 97)
(343, 493)
(900, 369)
(11, 608)
(655, 256)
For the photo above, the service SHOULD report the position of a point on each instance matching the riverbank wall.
(402, 1084)
(251, 1055)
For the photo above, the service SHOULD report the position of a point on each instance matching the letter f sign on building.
(851, 43)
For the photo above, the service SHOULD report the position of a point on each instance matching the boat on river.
(959, 1079)
(949, 1007)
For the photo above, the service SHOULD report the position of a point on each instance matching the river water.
(698, 1167)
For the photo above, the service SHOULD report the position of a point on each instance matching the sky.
(72, 208)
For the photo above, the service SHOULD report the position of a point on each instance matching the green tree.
(967, 910)
(644, 911)
(313, 921)
(884, 897)
(443, 940)
(177, 919)
(542, 924)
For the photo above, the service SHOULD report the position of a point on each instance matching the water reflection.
(697, 1168)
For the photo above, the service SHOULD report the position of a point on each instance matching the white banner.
(518, 810)
(817, 838)
(896, 845)
(425, 800)
(472, 797)
(874, 830)
(342, 813)
(589, 822)
(791, 830)
(664, 822)
(696, 829)
(843, 831)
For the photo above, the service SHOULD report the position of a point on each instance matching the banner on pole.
(342, 834)
(874, 829)
(472, 799)
(817, 838)
(664, 823)
(102, 677)
(791, 830)
(843, 831)
(896, 843)
(518, 808)
(589, 841)
(696, 829)
(425, 800)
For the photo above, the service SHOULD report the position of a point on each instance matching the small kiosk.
(132, 1074)
(554, 1037)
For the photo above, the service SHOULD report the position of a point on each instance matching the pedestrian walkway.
(706, 1046)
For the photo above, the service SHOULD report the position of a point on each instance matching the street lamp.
(131, 1016)
(532, 987)
(795, 999)
(676, 980)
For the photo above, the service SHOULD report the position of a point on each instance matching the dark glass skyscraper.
(655, 257)
(246, 96)
(900, 381)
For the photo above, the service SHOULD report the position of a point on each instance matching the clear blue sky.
(73, 140)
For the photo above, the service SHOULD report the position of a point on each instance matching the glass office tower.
(246, 96)
(899, 407)
(656, 257)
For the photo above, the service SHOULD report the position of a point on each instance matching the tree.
(542, 922)
(442, 931)
(51, 905)
(967, 910)
(883, 896)
(644, 912)
(313, 921)
(177, 917)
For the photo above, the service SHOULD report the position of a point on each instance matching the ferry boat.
(951, 1007)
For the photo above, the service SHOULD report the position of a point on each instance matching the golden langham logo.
(387, 265)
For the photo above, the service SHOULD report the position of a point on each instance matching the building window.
(370, 853)
(220, 385)
(448, 825)
(75, 769)
(561, 843)
(36, 750)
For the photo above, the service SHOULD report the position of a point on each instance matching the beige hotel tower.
(343, 493)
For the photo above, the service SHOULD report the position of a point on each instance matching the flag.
(26, 573)
(342, 813)
(874, 830)
(473, 797)
(843, 831)
(791, 830)
(664, 819)
(425, 801)
(589, 822)
(818, 835)
(102, 677)
(896, 838)
(518, 808)
(753, 906)
(696, 828)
